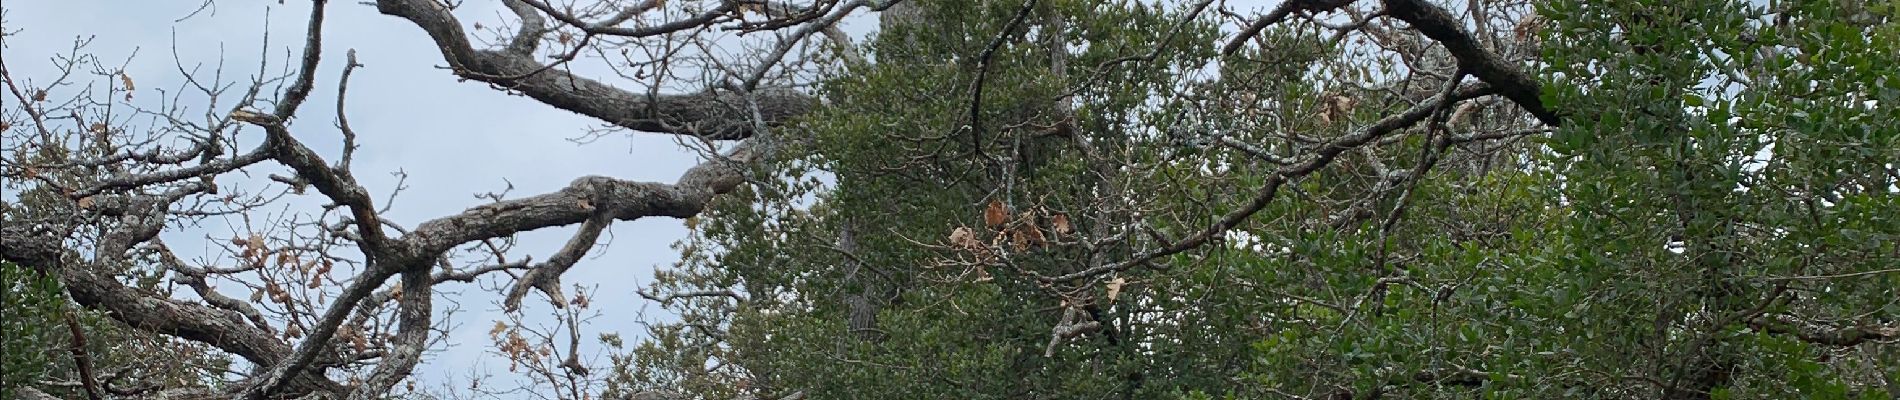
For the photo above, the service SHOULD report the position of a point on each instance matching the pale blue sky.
(454, 139)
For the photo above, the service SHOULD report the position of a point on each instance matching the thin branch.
(1286, 8)
(81, 359)
(1271, 188)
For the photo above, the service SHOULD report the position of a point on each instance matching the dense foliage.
(26, 329)
(1705, 223)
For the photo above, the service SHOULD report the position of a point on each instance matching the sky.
(453, 139)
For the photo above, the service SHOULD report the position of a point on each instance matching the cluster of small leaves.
(30, 329)
(1719, 195)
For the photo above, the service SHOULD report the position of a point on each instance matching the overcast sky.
(454, 139)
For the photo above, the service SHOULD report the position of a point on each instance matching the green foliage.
(29, 326)
(1723, 152)
(1699, 211)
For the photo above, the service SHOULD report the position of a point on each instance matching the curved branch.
(306, 77)
(710, 115)
(533, 26)
(1271, 188)
(828, 24)
(547, 275)
(1278, 14)
(708, 17)
(1439, 25)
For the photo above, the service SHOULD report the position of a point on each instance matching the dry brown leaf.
(495, 332)
(1032, 235)
(127, 80)
(293, 331)
(257, 295)
(996, 214)
(1462, 115)
(965, 238)
(256, 244)
(277, 293)
(85, 202)
(98, 127)
(1115, 287)
(1344, 104)
(1061, 223)
(1528, 26)
(39, 95)
(1336, 107)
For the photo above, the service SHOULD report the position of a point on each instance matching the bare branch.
(1286, 8)
(1819, 334)
(708, 115)
(547, 275)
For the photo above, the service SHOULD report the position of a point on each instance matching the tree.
(1497, 247)
(999, 199)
